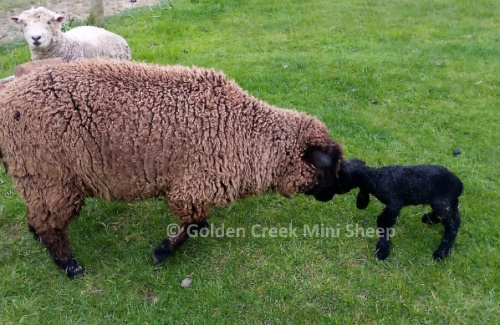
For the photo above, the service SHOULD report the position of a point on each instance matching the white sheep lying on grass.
(42, 30)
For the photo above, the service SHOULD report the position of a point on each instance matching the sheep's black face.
(347, 179)
(327, 164)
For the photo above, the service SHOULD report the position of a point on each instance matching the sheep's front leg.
(191, 215)
(385, 222)
(170, 244)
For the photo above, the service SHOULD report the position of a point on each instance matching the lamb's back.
(419, 184)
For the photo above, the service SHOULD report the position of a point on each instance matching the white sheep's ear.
(60, 18)
(318, 158)
(15, 19)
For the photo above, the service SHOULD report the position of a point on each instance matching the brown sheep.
(127, 131)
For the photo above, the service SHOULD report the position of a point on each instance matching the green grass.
(432, 67)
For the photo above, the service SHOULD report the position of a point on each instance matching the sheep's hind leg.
(386, 220)
(57, 244)
(51, 208)
(451, 222)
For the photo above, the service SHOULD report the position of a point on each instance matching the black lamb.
(398, 186)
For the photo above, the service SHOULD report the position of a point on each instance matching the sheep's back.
(97, 42)
(125, 130)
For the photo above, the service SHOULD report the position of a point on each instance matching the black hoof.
(74, 270)
(35, 234)
(161, 252)
(382, 255)
(382, 251)
(440, 255)
(204, 224)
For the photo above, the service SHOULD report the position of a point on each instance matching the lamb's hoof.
(440, 255)
(382, 255)
(161, 252)
(429, 219)
(74, 270)
(382, 251)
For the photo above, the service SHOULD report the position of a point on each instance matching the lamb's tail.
(460, 187)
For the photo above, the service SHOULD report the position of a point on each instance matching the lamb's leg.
(385, 222)
(197, 218)
(362, 200)
(451, 222)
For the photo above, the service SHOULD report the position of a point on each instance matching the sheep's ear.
(60, 18)
(15, 19)
(318, 158)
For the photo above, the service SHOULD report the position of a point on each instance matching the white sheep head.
(40, 27)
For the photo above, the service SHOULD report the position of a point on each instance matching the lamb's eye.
(24, 24)
(48, 23)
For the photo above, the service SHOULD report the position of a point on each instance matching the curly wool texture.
(79, 42)
(126, 131)
(398, 186)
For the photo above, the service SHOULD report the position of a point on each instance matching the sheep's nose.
(36, 38)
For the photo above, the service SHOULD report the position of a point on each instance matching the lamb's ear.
(59, 18)
(15, 19)
(318, 158)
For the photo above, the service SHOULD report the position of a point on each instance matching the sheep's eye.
(48, 23)
(24, 24)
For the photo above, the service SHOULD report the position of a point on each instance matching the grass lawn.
(396, 82)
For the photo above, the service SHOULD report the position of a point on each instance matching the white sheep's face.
(40, 27)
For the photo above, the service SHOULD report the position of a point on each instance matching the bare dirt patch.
(77, 9)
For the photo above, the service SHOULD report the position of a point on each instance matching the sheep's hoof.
(204, 224)
(439, 255)
(161, 252)
(74, 270)
(36, 235)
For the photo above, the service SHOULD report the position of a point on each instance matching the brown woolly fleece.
(126, 131)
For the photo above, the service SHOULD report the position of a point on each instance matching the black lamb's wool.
(398, 186)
